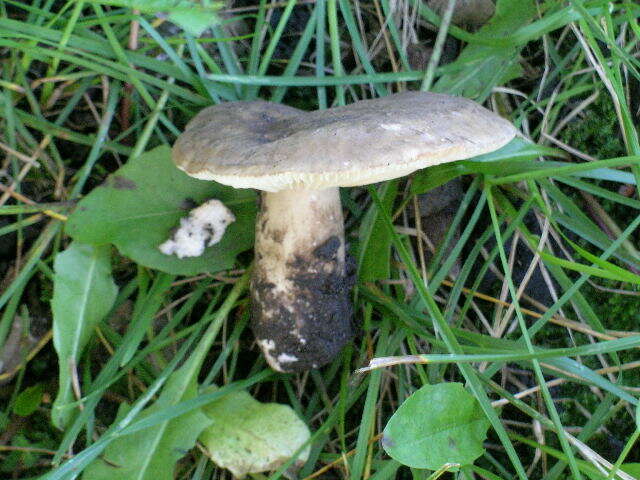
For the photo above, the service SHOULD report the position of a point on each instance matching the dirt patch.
(311, 322)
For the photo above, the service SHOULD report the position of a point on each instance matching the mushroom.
(300, 288)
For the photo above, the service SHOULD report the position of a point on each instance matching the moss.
(617, 311)
(597, 131)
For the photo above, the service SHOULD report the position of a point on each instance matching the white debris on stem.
(204, 226)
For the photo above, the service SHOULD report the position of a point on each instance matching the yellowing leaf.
(248, 436)
(152, 453)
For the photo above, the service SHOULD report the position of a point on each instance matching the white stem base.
(300, 290)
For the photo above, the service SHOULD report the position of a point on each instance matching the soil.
(314, 321)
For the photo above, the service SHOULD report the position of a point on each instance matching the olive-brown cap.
(272, 147)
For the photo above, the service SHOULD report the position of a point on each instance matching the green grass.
(81, 93)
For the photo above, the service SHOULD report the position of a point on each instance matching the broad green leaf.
(138, 206)
(632, 469)
(248, 436)
(83, 293)
(519, 149)
(438, 424)
(192, 16)
(432, 177)
(152, 453)
(480, 67)
(28, 400)
(375, 254)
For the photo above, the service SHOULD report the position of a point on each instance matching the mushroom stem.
(300, 287)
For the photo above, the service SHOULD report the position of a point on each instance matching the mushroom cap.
(273, 147)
